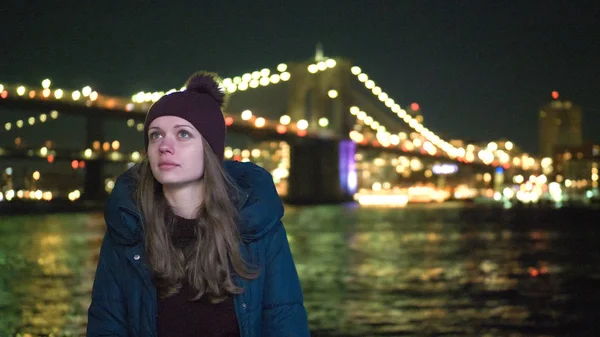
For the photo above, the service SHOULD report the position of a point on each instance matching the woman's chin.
(168, 179)
(175, 181)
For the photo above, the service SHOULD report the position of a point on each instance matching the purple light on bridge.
(444, 169)
(348, 178)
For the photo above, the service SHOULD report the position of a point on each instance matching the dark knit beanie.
(200, 104)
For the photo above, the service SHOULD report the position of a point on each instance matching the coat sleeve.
(284, 314)
(107, 313)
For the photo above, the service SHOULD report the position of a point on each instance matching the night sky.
(479, 69)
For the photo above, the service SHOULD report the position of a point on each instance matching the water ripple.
(419, 271)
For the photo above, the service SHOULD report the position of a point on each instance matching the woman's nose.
(165, 146)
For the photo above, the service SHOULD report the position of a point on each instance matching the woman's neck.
(185, 199)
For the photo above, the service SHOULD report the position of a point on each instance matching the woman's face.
(175, 151)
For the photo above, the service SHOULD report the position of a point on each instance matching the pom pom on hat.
(206, 83)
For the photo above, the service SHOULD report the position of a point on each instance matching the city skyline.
(491, 65)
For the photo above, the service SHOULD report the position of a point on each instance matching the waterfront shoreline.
(60, 206)
(45, 207)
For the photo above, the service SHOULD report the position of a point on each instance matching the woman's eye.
(154, 135)
(184, 134)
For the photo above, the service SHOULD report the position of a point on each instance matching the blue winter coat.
(124, 297)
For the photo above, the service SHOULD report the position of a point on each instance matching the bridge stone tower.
(322, 170)
(94, 170)
(324, 94)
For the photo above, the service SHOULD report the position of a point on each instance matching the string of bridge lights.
(487, 155)
(250, 80)
(140, 101)
(450, 150)
(110, 152)
(88, 97)
(394, 107)
(385, 138)
(47, 93)
(8, 126)
(247, 81)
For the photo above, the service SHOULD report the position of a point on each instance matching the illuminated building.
(559, 126)
(577, 166)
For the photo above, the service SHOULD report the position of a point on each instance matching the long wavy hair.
(209, 265)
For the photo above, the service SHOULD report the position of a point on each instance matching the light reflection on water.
(423, 270)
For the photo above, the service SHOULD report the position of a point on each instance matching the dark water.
(438, 270)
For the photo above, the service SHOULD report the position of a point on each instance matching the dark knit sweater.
(180, 317)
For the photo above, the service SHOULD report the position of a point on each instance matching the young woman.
(194, 245)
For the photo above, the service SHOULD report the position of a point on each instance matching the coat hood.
(258, 203)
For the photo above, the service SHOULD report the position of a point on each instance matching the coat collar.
(256, 199)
